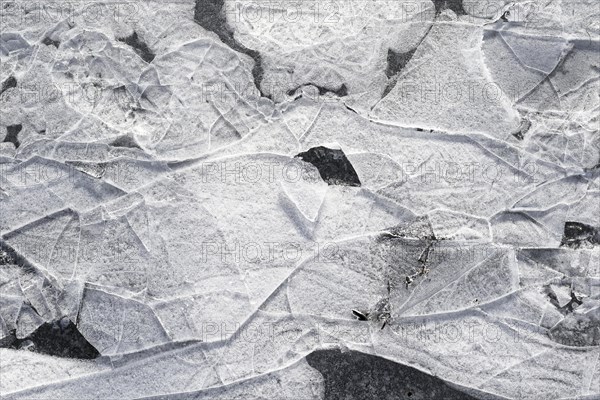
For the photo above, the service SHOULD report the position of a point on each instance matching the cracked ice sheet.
(154, 212)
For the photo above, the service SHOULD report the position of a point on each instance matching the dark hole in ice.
(593, 169)
(350, 109)
(354, 375)
(578, 330)
(519, 135)
(11, 257)
(523, 128)
(59, 338)
(125, 141)
(573, 303)
(333, 166)
(577, 233)
(417, 228)
(12, 132)
(6, 257)
(209, 14)
(139, 47)
(340, 92)
(49, 42)
(361, 316)
(454, 5)
(10, 82)
(396, 61)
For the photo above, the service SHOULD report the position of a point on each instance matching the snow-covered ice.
(340, 199)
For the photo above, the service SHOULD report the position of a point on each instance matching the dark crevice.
(125, 141)
(353, 375)
(519, 135)
(10, 82)
(568, 308)
(593, 169)
(577, 234)
(350, 108)
(360, 315)
(49, 42)
(209, 15)
(333, 166)
(59, 338)
(342, 91)
(12, 133)
(139, 47)
(418, 228)
(523, 128)
(578, 330)
(396, 61)
(573, 303)
(454, 5)
(8, 256)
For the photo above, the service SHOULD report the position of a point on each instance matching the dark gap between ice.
(139, 47)
(353, 375)
(10, 82)
(576, 233)
(12, 132)
(396, 61)
(125, 141)
(59, 338)
(333, 165)
(209, 15)
(342, 91)
(49, 42)
(454, 5)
